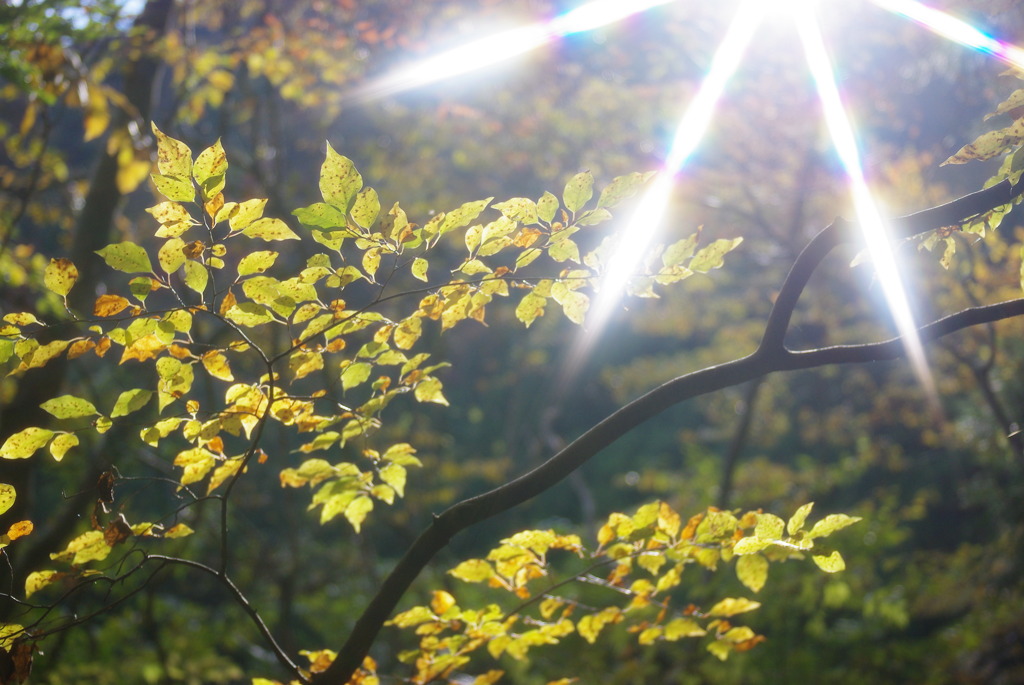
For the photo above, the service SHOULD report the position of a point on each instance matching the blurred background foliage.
(932, 592)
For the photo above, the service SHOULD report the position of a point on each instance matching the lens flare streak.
(870, 220)
(638, 234)
(502, 46)
(957, 30)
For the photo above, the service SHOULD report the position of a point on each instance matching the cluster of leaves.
(203, 305)
(1006, 142)
(640, 558)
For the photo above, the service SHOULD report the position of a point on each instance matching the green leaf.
(366, 207)
(796, 522)
(196, 276)
(61, 444)
(622, 188)
(395, 476)
(270, 229)
(60, 275)
(69, 407)
(7, 497)
(171, 255)
(713, 256)
(752, 570)
(130, 401)
(578, 191)
(769, 527)
(547, 207)
(249, 314)
(321, 215)
(429, 390)
(127, 257)
(750, 545)
(354, 374)
(24, 443)
(521, 209)
(831, 524)
(833, 563)
(256, 262)
(339, 180)
(574, 303)
(457, 218)
(530, 307)
(357, 510)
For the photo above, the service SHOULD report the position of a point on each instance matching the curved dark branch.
(771, 356)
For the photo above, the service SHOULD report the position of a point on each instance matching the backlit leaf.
(60, 275)
(831, 524)
(394, 475)
(175, 188)
(174, 158)
(473, 571)
(321, 215)
(365, 208)
(196, 276)
(408, 332)
(429, 390)
(530, 307)
(37, 580)
(24, 443)
(171, 255)
(752, 570)
(7, 497)
(520, 209)
(547, 207)
(833, 563)
(357, 510)
(127, 257)
(61, 444)
(769, 527)
(209, 169)
(256, 262)
(269, 230)
(339, 180)
(730, 606)
(354, 374)
(216, 364)
(713, 256)
(578, 191)
(69, 407)
(110, 305)
(89, 546)
(419, 269)
(622, 188)
(130, 401)
(796, 522)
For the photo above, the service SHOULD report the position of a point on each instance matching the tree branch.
(770, 356)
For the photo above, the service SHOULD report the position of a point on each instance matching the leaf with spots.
(339, 180)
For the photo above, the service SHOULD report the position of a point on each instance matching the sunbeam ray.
(948, 26)
(869, 218)
(637, 235)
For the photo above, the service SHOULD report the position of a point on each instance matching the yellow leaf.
(216, 365)
(146, 347)
(196, 276)
(174, 158)
(429, 390)
(24, 443)
(270, 229)
(197, 462)
(97, 114)
(796, 522)
(127, 257)
(89, 546)
(473, 571)
(110, 305)
(61, 444)
(60, 275)
(408, 332)
(171, 255)
(730, 606)
(7, 497)
(37, 580)
(441, 602)
(178, 530)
